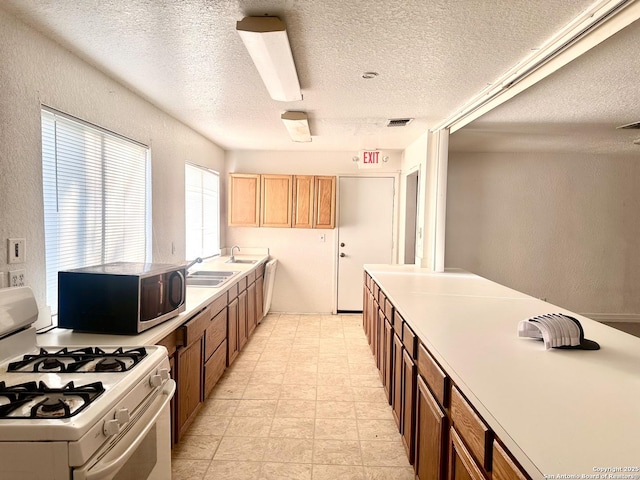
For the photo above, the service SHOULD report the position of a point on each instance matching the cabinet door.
(303, 186)
(388, 360)
(431, 431)
(190, 362)
(396, 400)
(252, 319)
(461, 463)
(244, 200)
(232, 331)
(324, 210)
(259, 298)
(504, 468)
(242, 319)
(409, 395)
(276, 208)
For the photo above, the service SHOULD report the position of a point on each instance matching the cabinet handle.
(342, 254)
(342, 244)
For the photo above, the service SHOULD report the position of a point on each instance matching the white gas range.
(79, 412)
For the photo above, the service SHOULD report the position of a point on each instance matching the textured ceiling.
(185, 57)
(577, 109)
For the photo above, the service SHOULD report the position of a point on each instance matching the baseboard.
(614, 317)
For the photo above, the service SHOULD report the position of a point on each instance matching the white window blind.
(96, 197)
(202, 212)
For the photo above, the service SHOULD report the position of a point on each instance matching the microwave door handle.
(176, 304)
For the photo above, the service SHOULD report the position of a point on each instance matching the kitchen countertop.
(559, 412)
(197, 299)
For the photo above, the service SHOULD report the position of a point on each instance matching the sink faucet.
(191, 264)
(232, 258)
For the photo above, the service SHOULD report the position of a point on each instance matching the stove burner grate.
(37, 400)
(81, 360)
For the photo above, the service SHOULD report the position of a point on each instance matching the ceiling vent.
(399, 122)
(630, 126)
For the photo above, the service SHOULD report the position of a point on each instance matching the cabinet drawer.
(503, 467)
(251, 277)
(397, 323)
(214, 368)
(233, 292)
(218, 304)
(433, 375)
(382, 298)
(472, 429)
(242, 284)
(375, 290)
(409, 340)
(216, 332)
(194, 328)
(260, 270)
(388, 310)
(171, 342)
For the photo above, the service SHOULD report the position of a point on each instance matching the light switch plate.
(17, 250)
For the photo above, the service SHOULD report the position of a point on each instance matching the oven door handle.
(112, 466)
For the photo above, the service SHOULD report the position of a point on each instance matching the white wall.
(556, 226)
(36, 71)
(306, 275)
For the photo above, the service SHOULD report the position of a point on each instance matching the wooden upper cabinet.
(276, 200)
(303, 187)
(244, 200)
(324, 211)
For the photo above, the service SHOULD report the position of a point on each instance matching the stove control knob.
(122, 416)
(164, 374)
(111, 427)
(155, 380)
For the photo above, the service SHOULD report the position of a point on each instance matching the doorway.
(365, 233)
(411, 218)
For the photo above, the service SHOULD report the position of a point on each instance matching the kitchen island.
(558, 413)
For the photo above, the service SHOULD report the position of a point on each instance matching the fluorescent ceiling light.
(297, 125)
(267, 42)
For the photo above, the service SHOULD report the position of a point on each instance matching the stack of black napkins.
(557, 330)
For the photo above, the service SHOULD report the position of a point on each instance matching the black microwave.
(121, 297)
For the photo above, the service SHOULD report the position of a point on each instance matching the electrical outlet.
(17, 278)
(17, 250)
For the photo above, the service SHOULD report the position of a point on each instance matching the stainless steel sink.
(240, 261)
(204, 278)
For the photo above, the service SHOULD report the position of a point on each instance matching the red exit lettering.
(370, 157)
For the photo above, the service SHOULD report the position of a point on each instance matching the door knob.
(342, 244)
(342, 254)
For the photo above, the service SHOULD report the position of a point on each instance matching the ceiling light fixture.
(267, 42)
(297, 124)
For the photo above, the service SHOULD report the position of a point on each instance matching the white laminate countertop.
(197, 299)
(560, 412)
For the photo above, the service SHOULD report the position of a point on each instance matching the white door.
(365, 233)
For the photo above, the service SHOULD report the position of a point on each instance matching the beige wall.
(36, 71)
(305, 279)
(557, 226)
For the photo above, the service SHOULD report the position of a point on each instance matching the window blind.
(96, 197)
(202, 212)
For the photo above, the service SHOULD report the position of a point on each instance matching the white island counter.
(559, 412)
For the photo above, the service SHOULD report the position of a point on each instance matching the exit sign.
(370, 159)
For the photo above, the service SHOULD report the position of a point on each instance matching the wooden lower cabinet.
(431, 435)
(397, 399)
(243, 332)
(259, 298)
(214, 368)
(252, 314)
(233, 348)
(388, 361)
(409, 378)
(462, 466)
(504, 468)
(189, 392)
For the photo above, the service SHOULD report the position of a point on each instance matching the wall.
(36, 71)
(306, 273)
(558, 226)
(414, 158)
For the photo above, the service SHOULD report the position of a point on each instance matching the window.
(96, 197)
(202, 212)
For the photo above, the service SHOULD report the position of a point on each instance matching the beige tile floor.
(302, 401)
